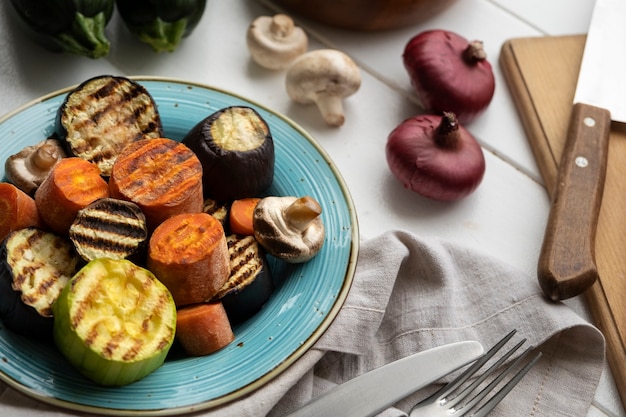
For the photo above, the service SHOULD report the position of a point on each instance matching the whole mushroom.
(274, 41)
(289, 228)
(324, 77)
(29, 167)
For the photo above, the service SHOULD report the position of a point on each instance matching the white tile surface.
(504, 217)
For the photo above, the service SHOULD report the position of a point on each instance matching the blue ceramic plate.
(307, 298)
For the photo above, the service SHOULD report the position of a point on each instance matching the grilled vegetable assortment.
(78, 26)
(134, 240)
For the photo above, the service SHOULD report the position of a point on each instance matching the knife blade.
(567, 264)
(370, 393)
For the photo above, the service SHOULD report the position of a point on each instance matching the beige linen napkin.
(411, 294)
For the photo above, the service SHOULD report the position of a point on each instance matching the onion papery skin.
(443, 79)
(430, 169)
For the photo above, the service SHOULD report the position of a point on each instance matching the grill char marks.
(250, 283)
(109, 228)
(103, 115)
(35, 266)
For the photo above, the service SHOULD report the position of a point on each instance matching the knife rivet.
(581, 161)
(589, 121)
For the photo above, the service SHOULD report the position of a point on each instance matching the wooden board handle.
(567, 265)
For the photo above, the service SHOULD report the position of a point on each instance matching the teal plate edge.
(307, 299)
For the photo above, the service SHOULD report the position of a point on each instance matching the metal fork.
(446, 402)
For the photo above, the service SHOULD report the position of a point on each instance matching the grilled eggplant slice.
(250, 284)
(236, 149)
(114, 321)
(35, 267)
(218, 210)
(109, 228)
(103, 115)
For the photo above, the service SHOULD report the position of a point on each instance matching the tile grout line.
(393, 86)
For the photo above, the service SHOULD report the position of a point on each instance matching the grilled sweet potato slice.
(162, 176)
(189, 254)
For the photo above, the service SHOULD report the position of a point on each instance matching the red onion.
(436, 157)
(449, 73)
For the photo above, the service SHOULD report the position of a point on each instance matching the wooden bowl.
(365, 15)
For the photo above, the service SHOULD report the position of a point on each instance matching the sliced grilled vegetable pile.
(129, 241)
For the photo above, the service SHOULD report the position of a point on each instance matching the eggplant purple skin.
(231, 175)
(243, 304)
(15, 315)
(60, 131)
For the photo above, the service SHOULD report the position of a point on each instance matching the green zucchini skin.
(245, 170)
(72, 26)
(114, 321)
(35, 266)
(162, 24)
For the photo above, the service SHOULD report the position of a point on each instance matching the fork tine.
(499, 396)
(453, 385)
(483, 393)
(469, 389)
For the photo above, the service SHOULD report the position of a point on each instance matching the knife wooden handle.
(567, 265)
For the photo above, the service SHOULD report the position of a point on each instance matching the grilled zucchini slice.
(35, 267)
(114, 321)
(250, 284)
(109, 228)
(103, 115)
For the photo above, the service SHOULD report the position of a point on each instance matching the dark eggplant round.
(236, 150)
(35, 266)
(104, 114)
(250, 284)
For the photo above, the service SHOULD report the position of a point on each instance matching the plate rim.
(286, 362)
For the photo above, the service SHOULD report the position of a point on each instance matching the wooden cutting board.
(541, 74)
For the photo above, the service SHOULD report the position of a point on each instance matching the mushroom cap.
(273, 231)
(28, 168)
(274, 42)
(322, 72)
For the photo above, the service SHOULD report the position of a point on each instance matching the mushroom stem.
(331, 107)
(44, 157)
(302, 212)
(281, 26)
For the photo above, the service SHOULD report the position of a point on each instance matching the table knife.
(567, 265)
(370, 393)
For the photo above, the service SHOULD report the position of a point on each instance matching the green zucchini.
(114, 321)
(162, 24)
(73, 26)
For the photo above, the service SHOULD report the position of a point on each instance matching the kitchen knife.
(567, 265)
(370, 393)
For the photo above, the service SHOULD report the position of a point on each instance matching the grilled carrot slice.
(202, 329)
(189, 254)
(241, 215)
(17, 210)
(73, 184)
(162, 176)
